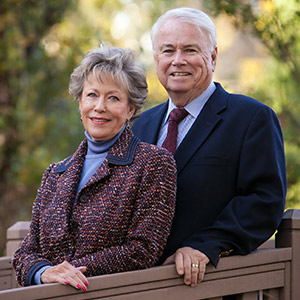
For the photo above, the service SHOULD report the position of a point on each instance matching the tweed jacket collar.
(121, 153)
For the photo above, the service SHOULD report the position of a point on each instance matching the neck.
(98, 147)
(184, 98)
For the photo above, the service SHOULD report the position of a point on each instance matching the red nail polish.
(84, 289)
(86, 283)
(78, 286)
(66, 282)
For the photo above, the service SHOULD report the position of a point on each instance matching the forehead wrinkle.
(167, 45)
(170, 24)
(170, 45)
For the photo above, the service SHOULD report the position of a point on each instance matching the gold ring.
(195, 265)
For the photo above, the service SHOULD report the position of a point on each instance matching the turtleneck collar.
(99, 147)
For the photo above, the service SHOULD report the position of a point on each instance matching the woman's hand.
(65, 273)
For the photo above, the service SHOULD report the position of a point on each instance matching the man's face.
(184, 60)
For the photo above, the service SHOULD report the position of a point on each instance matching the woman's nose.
(100, 105)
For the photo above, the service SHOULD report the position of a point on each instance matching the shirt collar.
(195, 106)
(121, 153)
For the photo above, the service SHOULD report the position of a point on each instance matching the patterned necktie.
(176, 116)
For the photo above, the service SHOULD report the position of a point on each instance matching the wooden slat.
(166, 289)
(262, 270)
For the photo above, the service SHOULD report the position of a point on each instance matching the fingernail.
(66, 282)
(78, 286)
(86, 283)
(84, 289)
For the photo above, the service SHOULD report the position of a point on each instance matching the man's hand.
(189, 262)
(65, 273)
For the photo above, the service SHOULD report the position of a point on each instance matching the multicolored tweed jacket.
(119, 221)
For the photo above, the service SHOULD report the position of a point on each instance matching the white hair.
(188, 15)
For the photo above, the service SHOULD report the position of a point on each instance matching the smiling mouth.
(178, 74)
(97, 120)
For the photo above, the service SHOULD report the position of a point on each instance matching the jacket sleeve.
(150, 224)
(27, 259)
(253, 215)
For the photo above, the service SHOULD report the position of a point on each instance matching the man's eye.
(167, 51)
(190, 50)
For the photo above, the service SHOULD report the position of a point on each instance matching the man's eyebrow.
(191, 46)
(166, 45)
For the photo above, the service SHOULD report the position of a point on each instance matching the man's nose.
(179, 58)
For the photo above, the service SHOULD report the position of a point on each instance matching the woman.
(108, 208)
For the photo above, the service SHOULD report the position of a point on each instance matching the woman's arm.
(150, 224)
(27, 259)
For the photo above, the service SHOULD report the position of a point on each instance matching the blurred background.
(42, 41)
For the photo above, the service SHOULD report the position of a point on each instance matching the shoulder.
(53, 169)
(240, 100)
(154, 153)
(246, 101)
(239, 104)
(250, 108)
(151, 113)
(156, 164)
(153, 150)
(61, 166)
(154, 109)
(251, 113)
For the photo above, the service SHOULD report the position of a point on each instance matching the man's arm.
(255, 212)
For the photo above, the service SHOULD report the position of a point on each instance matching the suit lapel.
(152, 125)
(70, 171)
(205, 123)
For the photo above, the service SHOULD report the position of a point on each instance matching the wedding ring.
(195, 265)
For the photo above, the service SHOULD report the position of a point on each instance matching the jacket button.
(74, 225)
(83, 199)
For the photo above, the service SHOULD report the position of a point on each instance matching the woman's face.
(104, 107)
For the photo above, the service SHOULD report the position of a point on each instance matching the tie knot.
(178, 114)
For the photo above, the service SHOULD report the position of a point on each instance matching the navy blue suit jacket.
(231, 172)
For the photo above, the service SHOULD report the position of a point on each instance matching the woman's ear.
(130, 112)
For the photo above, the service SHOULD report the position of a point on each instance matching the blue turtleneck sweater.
(95, 156)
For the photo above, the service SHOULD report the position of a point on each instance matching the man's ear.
(214, 55)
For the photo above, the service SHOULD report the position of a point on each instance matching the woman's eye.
(91, 95)
(114, 98)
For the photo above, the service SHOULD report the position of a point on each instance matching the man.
(230, 159)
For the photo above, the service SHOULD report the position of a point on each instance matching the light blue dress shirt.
(193, 108)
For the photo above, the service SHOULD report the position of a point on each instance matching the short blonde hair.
(120, 65)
